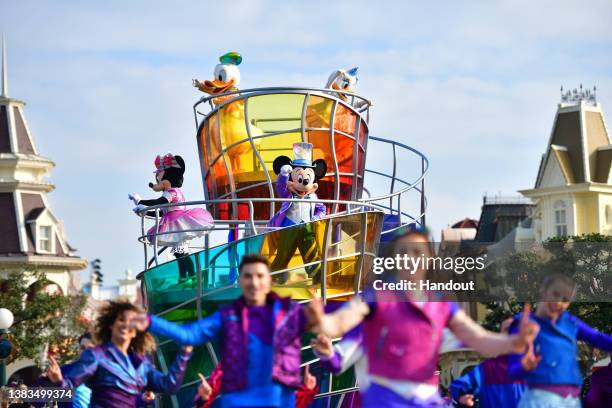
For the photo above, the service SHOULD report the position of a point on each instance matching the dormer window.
(45, 235)
(560, 218)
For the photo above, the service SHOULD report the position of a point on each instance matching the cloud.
(472, 86)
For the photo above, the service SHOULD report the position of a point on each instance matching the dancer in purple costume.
(260, 339)
(119, 370)
(489, 383)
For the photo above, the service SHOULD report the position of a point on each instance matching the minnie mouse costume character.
(176, 223)
(297, 179)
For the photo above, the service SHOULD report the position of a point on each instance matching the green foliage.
(40, 318)
(498, 312)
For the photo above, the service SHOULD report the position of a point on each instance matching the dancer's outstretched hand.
(54, 373)
(528, 330)
(467, 400)
(530, 360)
(314, 314)
(148, 396)
(322, 345)
(204, 389)
(140, 322)
(310, 381)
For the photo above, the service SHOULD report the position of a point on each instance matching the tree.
(41, 318)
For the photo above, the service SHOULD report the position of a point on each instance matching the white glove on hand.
(286, 169)
(134, 197)
(139, 208)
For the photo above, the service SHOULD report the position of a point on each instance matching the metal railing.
(399, 187)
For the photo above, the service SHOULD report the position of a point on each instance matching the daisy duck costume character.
(178, 225)
(297, 179)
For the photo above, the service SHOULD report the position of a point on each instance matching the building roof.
(579, 144)
(466, 223)
(498, 217)
(23, 199)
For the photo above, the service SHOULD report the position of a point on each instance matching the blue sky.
(473, 85)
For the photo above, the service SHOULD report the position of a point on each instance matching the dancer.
(178, 225)
(550, 365)
(488, 383)
(119, 370)
(259, 335)
(402, 334)
(601, 388)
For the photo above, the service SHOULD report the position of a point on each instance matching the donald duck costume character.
(297, 179)
(232, 126)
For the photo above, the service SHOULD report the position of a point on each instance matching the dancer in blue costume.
(489, 383)
(550, 366)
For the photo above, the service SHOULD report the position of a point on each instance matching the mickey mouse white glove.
(134, 197)
(139, 208)
(286, 169)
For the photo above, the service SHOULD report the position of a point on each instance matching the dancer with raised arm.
(119, 370)
(550, 365)
(402, 334)
(259, 335)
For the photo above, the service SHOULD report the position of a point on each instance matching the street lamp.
(6, 321)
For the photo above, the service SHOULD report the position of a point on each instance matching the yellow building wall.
(605, 202)
(587, 213)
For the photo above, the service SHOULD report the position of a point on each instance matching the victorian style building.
(31, 235)
(573, 188)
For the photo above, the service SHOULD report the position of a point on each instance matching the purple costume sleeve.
(332, 363)
(281, 186)
(320, 211)
(168, 383)
(454, 308)
(80, 370)
(593, 337)
(196, 333)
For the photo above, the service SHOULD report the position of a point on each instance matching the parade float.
(371, 188)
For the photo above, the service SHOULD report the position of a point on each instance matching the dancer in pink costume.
(402, 334)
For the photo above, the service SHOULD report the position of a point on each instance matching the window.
(560, 219)
(44, 238)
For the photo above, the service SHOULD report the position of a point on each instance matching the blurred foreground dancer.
(119, 370)
(601, 388)
(550, 364)
(259, 335)
(402, 333)
(489, 383)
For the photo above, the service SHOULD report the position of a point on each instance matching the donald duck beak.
(216, 87)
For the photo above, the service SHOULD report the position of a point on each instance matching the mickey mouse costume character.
(177, 223)
(297, 179)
